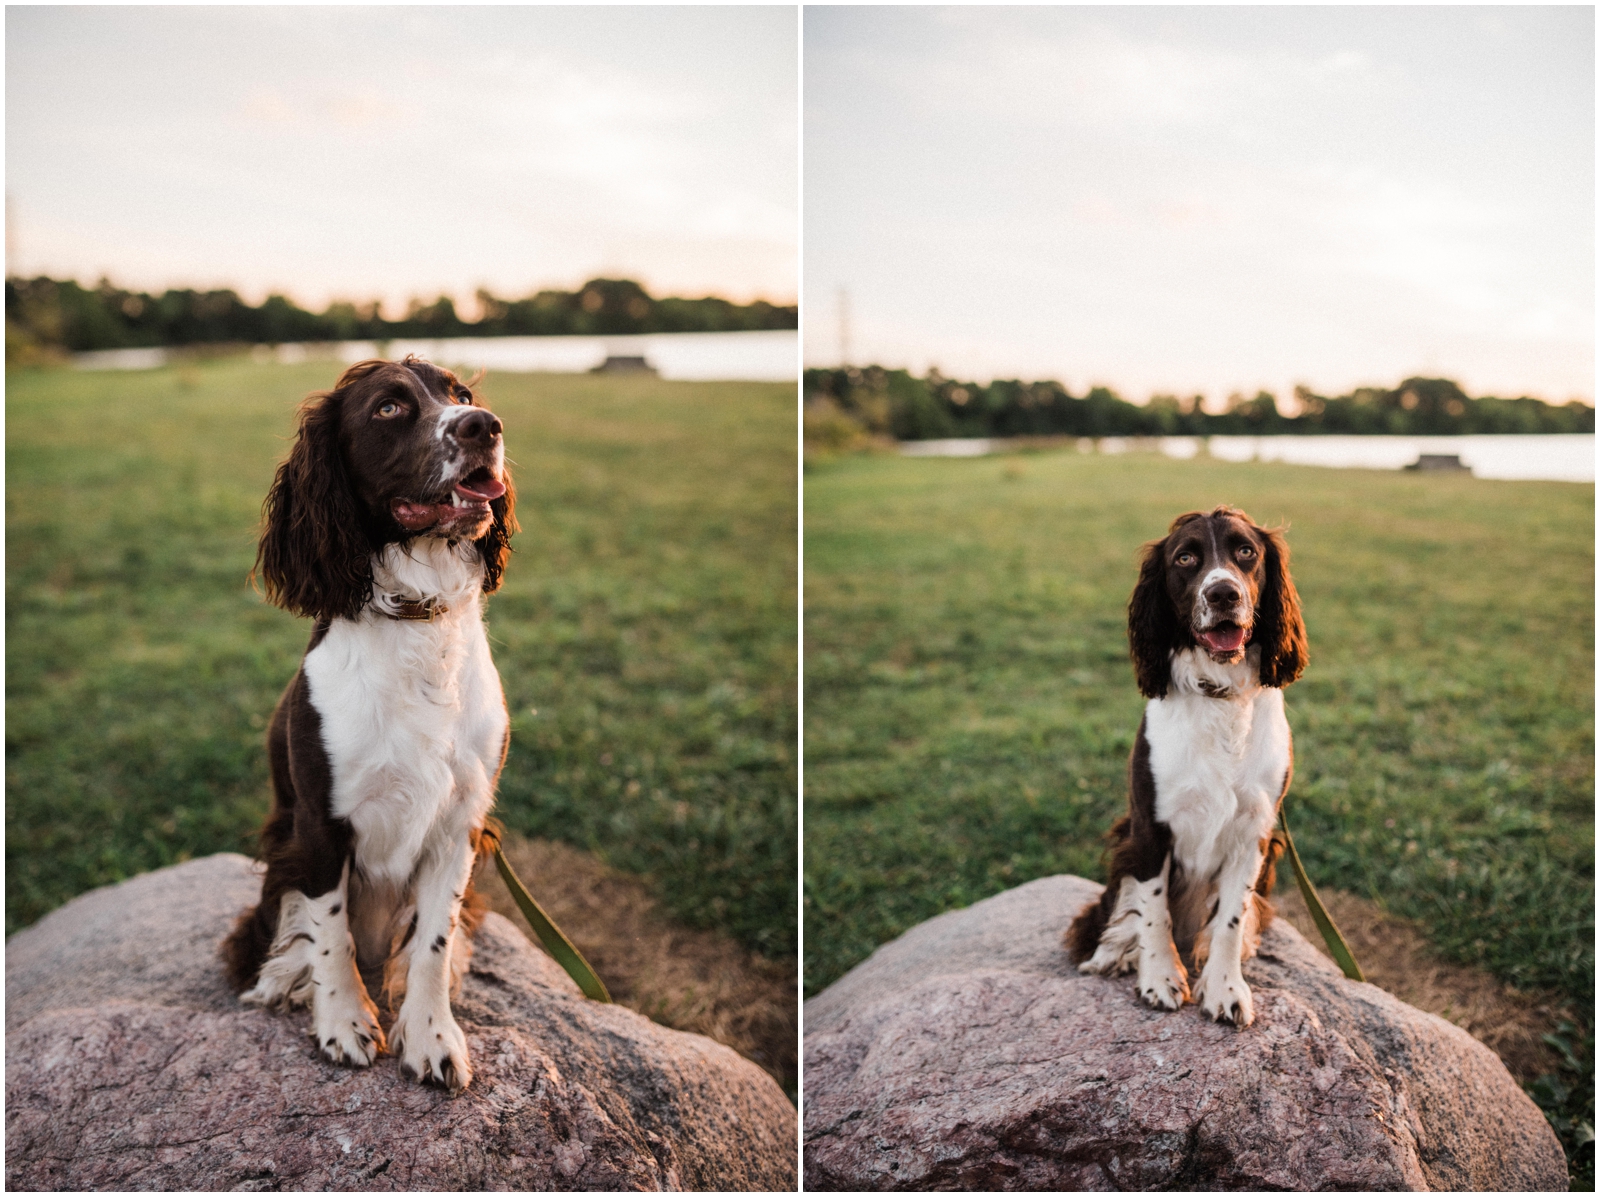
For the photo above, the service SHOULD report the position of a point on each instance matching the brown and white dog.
(1215, 632)
(389, 520)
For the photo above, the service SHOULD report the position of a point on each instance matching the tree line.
(894, 403)
(44, 314)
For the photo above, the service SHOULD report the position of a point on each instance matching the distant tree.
(1258, 416)
(1165, 416)
(44, 313)
(936, 406)
(436, 319)
(915, 413)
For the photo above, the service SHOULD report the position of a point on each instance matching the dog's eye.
(465, 396)
(1246, 552)
(1186, 559)
(388, 410)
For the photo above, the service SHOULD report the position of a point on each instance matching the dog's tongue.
(479, 489)
(1226, 639)
(416, 516)
(483, 489)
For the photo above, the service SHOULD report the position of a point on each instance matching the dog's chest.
(1218, 766)
(414, 724)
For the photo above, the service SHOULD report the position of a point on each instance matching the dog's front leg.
(313, 960)
(343, 1018)
(1222, 992)
(1139, 935)
(425, 1035)
(1163, 981)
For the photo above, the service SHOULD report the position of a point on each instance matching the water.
(1554, 457)
(965, 447)
(689, 357)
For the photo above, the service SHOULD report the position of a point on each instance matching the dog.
(1215, 632)
(390, 519)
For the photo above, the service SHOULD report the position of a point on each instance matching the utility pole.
(844, 328)
(12, 265)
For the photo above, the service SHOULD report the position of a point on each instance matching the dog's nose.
(1222, 593)
(477, 427)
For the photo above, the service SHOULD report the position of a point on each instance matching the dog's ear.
(494, 546)
(315, 557)
(1152, 623)
(1280, 630)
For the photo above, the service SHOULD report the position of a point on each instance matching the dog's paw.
(348, 1032)
(1165, 990)
(284, 984)
(431, 1047)
(1110, 960)
(1226, 998)
(1163, 981)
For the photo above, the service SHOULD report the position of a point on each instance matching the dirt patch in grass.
(691, 980)
(1395, 956)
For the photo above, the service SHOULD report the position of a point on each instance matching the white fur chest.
(413, 715)
(1219, 756)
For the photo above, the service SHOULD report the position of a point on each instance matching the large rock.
(968, 1054)
(129, 1065)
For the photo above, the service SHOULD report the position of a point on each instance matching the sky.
(374, 152)
(1204, 200)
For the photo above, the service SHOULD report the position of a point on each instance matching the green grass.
(645, 632)
(970, 704)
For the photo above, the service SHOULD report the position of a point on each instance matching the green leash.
(555, 942)
(1342, 954)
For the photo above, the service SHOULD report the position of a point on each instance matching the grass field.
(645, 632)
(970, 705)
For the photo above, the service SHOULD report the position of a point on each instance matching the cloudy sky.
(1205, 199)
(365, 152)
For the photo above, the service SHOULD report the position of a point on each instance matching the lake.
(689, 357)
(1558, 457)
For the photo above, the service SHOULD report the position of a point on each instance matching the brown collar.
(1212, 690)
(412, 609)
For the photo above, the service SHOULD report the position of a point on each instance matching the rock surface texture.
(130, 1065)
(969, 1054)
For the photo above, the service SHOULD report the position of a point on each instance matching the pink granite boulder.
(969, 1054)
(129, 1065)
